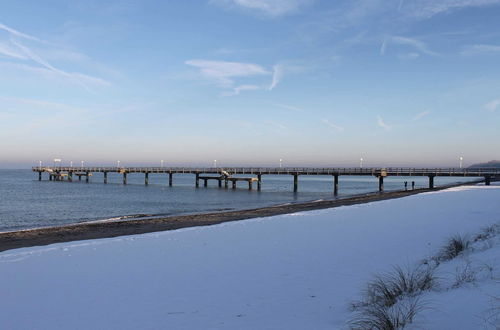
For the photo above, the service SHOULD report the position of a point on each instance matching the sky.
(250, 82)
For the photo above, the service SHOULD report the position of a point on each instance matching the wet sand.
(94, 230)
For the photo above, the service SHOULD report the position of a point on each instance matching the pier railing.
(395, 171)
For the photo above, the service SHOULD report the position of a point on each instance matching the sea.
(27, 203)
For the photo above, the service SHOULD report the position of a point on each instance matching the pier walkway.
(254, 174)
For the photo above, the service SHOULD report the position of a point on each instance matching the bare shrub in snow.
(464, 274)
(386, 289)
(390, 300)
(488, 232)
(375, 316)
(453, 247)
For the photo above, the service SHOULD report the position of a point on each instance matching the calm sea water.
(26, 202)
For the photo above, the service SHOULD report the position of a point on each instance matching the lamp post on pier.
(361, 162)
(461, 160)
(118, 163)
(215, 163)
(281, 163)
(82, 163)
(161, 162)
(71, 163)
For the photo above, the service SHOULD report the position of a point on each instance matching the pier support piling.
(249, 184)
(205, 182)
(39, 176)
(124, 177)
(220, 183)
(105, 177)
(87, 177)
(146, 178)
(197, 180)
(431, 181)
(234, 184)
(487, 180)
(80, 177)
(335, 184)
(380, 183)
(259, 181)
(70, 176)
(170, 179)
(226, 183)
(295, 182)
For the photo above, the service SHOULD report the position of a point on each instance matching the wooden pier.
(234, 174)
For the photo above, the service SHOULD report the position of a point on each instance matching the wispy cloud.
(18, 50)
(429, 8)
(266, 7)
(480, 49)
(421, 115)
(415, 43)
(492, 105)
(17, 33)
(238, 89)
(288, 107)
(9, 51)
(332, 125)
(278, 71)
(223, 73)
(381, 123)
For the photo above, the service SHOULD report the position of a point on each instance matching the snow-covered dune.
(297, 271)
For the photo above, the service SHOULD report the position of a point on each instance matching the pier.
(254, 174)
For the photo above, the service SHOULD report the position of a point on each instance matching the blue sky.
(247, 82)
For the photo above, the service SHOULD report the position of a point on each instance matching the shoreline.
(95, 230)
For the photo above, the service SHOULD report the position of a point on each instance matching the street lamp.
(361, 162)
(461, 161)
(71, 164)
(215, 163)
(57, 160)
(118, 162)
(82, 163)
(161, 163)
(281, 163)
(40, 163)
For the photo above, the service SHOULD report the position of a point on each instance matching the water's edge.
(107, 229)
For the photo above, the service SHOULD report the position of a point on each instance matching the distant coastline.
(97, 229)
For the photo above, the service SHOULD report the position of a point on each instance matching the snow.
(297, 271)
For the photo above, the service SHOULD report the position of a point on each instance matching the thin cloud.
(17, 33)
(288, 107)
(417, 44)
(428, 8)
(9, 51)
(278, 71)
(332, 125)
(480, 49)
(15, 49)
(492, 105)
(381, 123)
(223, 73)
(266, 7)
(238, 89)
(421, 115)
(383, 47)
(79, 78)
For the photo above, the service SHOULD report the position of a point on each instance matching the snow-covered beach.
(295, 271)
